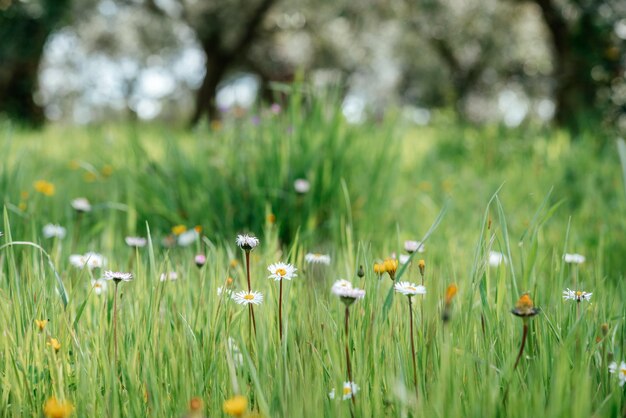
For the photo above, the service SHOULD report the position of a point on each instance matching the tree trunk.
(206, 106)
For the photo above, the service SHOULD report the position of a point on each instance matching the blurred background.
(561, 62)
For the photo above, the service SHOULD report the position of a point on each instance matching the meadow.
(497, 210)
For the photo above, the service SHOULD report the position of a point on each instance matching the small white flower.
(118, 276)
(409, 289)
(200, 260)
(301, 186)
(90, 260)
(247, 242)
(331, 394)
(170, 275)
(281, 271)
(412, 246)
(54, 231)
(621, 371)
(187, 238)
(574, 258)
(246, 298)
(496, 258)
(346, 292)
(81, 205)
(349, 390)
(99, 286)
(137, 242)
(316, 258)
(577, 295)
(341, 284)
(404, 258)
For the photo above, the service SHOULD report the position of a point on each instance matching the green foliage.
(506, 191)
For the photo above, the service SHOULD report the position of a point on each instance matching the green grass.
(530, 194)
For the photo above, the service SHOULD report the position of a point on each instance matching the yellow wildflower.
(44, 187)
(53, 408)
(54, 343)
(41, 324)
(235, 406)
(178, 229)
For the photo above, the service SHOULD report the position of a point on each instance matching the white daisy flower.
(496, 258)
(620, 371)
(331, 394)
(81, 204)
(281, 271)
(90, 260)
(246, 298)
(187, 238)
(349, 390)
(404, 258)
(118, 276)
(99, 286)
(412, 246)
(301, 186)
(137, 242)
(170, 275)
(54, 231)
(577, 295)
(247, 242)
(574, 258)
(346, 292)
(316, 258)
(341, 284)
(409, 289)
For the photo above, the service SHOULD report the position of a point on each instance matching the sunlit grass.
(530, 195)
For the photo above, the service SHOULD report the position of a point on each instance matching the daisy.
(301, 186)
(349, 390)
(404, 258)
(170, 275)
(413, 246)
(54, 231)
(281, 271)
(410, 289)
(246, 298)
(577, 295)
(247, 242)
(187, 238)
(118, 276)
(90, 260)
(316, 258)
(81, 204)
(137, 242)
(574, 258)
(99, 286)
(331, 394)
(347, 294)
(621, 371)
(496, 258)
(341, 284)
(222, 289)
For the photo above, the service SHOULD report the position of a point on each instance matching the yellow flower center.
(249, 296)
(411, 288)
(623, 371)
(281, 272)
(579, 293)
(347, 390)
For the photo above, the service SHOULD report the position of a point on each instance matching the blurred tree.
(589, 57)
(225, 31)
(24, 29)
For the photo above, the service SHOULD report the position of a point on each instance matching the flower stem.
(248, 270)
(115, 325)
(413, 348)
(280, 311)
(348, 364)
(251, 311)
(521, 348)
